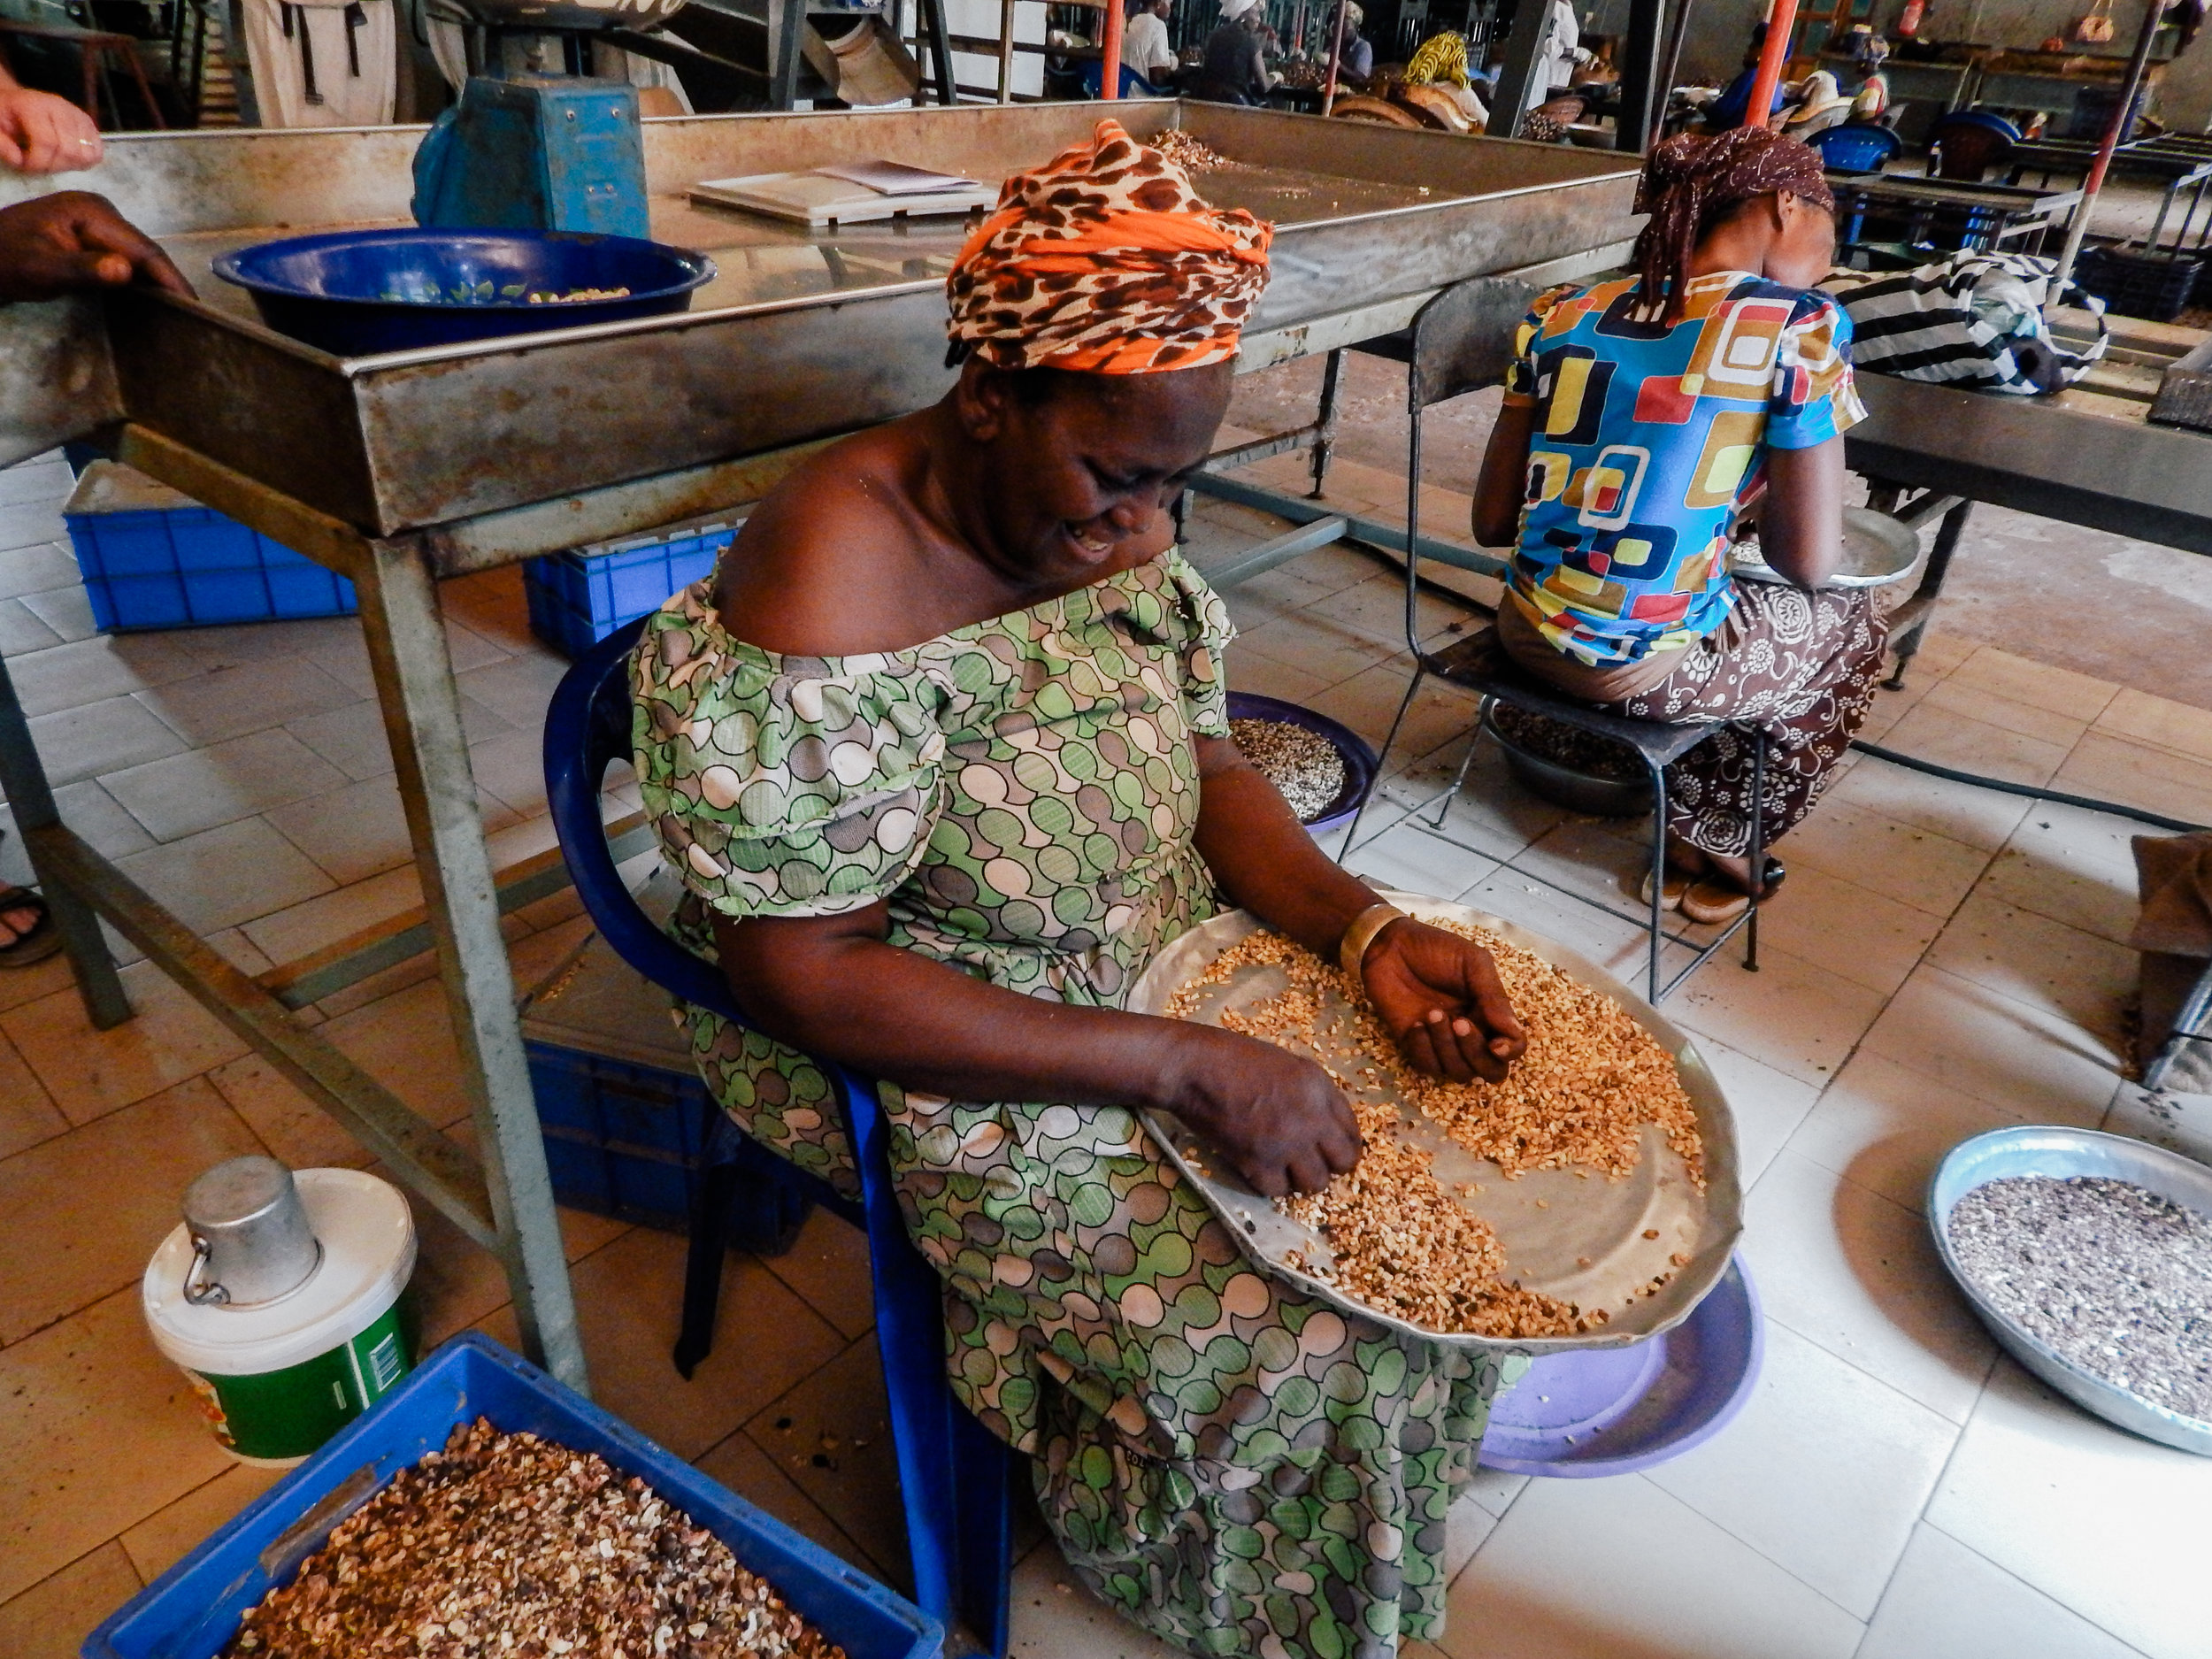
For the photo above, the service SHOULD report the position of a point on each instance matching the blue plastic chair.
(955, 1477)
(1132, 84)
(1856, 147)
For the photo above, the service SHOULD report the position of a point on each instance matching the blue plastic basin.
(354, 293)
(193, 1609)
(1597, 1411)
(1359, 760)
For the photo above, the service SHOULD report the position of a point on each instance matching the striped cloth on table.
(1972, 319)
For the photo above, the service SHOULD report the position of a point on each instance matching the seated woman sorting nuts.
(1642, 416)
(941, 756)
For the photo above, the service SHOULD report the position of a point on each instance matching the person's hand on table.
(1273, 1114)
(57, 244)
(1440, 997)
(40, 132)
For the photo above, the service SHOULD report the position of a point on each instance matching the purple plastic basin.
(1615, 1410)
(1359, 760)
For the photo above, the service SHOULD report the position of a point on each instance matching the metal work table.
(2173, 170)
(1978, 214)
(399, 469)
(2084, 457)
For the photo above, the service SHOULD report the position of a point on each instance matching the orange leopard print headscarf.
(1106, 260)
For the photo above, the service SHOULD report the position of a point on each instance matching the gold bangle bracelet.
(1351, 950)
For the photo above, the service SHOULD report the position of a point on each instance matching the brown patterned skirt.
(1800, 666)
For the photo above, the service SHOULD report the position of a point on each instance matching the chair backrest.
(586, 730)
(1856, 147)
(1969, 143)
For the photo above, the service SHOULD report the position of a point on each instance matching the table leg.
(23, 777)
(422, 718)
(1910, 621)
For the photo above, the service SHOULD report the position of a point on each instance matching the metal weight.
(250, 1238)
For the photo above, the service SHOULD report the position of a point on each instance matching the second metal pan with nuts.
(1568, 1233)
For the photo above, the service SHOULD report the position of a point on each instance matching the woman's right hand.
(1273, 1114)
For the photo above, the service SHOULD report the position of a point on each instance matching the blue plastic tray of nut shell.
(194, 1608)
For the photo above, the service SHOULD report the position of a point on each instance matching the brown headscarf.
(1691, 183)
(1105, 259)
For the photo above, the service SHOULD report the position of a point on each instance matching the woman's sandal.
(1715, 903)
(1671, 893)
(43, 939)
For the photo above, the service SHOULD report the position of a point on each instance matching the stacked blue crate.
(152, 557)
(580, 596)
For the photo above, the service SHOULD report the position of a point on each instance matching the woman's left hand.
(1440, 997)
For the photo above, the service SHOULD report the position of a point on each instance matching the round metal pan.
(1877, 550)
(1582, 1216)
(2062, 1153)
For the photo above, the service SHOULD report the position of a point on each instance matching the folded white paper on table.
(895, 178)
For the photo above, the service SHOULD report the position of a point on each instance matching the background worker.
(1145, 49)
(1641, 417)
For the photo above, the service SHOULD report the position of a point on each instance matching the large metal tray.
(806, 333)
(1584, 1215)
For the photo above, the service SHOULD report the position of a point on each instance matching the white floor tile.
(1615, 945)
(1768, 1105)
(1886, 1126)
(2073, 975)
(1492, 811)
(2073, 866)
(2111, 1527)
(1465, 1526)
(1945, 1600)
(1957, 812)
(1850, 930)
(1905, 862)
(1800, 1019)
(1593, 858)
(1858, 1275)
(2021, 1059)
(1619, 1570)
(1823, 1474)
(1495, 1490)
(1415, 860)
(1055, 1617)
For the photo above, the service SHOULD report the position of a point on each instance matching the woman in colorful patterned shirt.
(1641, 417)
(942, 758)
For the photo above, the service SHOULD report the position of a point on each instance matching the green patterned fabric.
(1237, 1467)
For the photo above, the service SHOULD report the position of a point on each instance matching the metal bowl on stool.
(1563, 784)
(1877, 550)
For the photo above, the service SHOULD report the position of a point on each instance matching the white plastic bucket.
(279, 1378)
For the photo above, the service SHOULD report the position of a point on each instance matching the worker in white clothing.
(1144, 44)
(1556, 61)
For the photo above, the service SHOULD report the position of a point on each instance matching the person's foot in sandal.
(1716, 893)
(28, 932)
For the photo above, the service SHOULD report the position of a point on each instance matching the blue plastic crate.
(154, 558)
(580, 596)
(194, 1608)
(628, 1127)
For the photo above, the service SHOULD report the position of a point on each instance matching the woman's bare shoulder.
(821, 555)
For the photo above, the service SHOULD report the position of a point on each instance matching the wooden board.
(814, 199)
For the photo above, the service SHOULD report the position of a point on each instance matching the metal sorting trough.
(1596, 1243)
(398, 470)
(802, 335)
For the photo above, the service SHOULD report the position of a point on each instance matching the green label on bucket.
(289, 1413)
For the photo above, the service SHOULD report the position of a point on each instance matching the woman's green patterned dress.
(1234, 1466)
